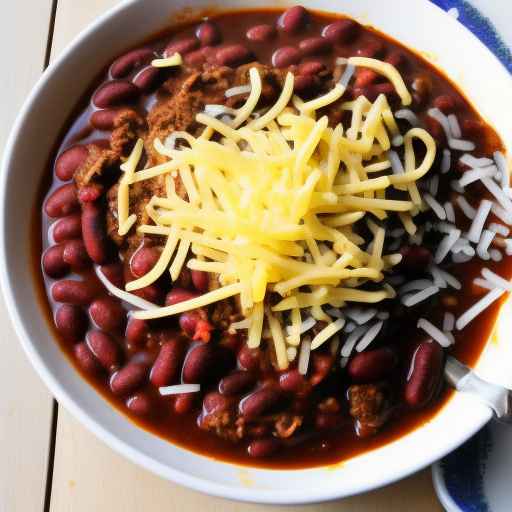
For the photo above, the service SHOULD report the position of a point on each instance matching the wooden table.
(49, 461)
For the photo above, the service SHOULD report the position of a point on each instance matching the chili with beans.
(247, 411)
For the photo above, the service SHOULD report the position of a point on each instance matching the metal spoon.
(463, 379)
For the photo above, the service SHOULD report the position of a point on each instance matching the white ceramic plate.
(416, 23)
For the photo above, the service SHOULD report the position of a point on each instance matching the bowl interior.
(453, 49)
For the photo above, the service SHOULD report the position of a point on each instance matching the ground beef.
(106, 158)
(286, 424)
(128, 127)
(228, 425)
(370, 406)
(180, 98)
(100, 161)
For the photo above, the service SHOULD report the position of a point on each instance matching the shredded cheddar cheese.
(271, 202)
(174, 60)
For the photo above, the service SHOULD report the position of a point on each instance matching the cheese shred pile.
(272, 199)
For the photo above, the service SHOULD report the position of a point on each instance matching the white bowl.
(418, 24)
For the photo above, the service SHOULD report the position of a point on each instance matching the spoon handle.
(463, 379)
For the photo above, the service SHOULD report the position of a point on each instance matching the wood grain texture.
(26, 405)
(90, 476)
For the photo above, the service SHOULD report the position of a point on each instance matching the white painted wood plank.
(26, 405)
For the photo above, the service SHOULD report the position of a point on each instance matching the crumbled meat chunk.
(287, 424)
(224, 424)
(186, 98)
(223, 314)
(370, 406)
(128, 127)
(99, 161)
(228, 424)
(140, 194)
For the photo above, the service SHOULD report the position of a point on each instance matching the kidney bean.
(208, 34)
(90, 193)
(237, 382)
(293, 382)
(148, 79)
(167, 365)
(136, 331)
(53, 262)
(214, 403)
(421, 87)
(68, 291)
(184, 402)
(233, 55)
(372, 365)
(114, 273)
(232, 341)
(425, 374)
(125, 64)
(95, 234)
(85, 358)
(143, 260)
(305, 83)
(151, 293)
(105, 119)
(67, 228)
(206, 363)
(285, 56)
(436, 130)
(415, 258)
(71, 321)
(115, 92)
(140, 404)
(372, 49)
(315, 45)
(200, 280)
(182, 46)
(75, 255)
(372, 91)
(128, 379)
(321, 365)
(471, 129)
(341, 31)
(260, 33)
(69, 161)
(261, 402)
(62, 201)
(365, 77)
(177, 295)
(196, 325)
(264, 447)
(445, 103)
(108, 314)
(396, 59)
(312, 67)
(249, 358)
(104, 349)
(197, 57)
(184, 279)
(328, 421)
(293, 19)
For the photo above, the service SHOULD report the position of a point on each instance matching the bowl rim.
(241, 493)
